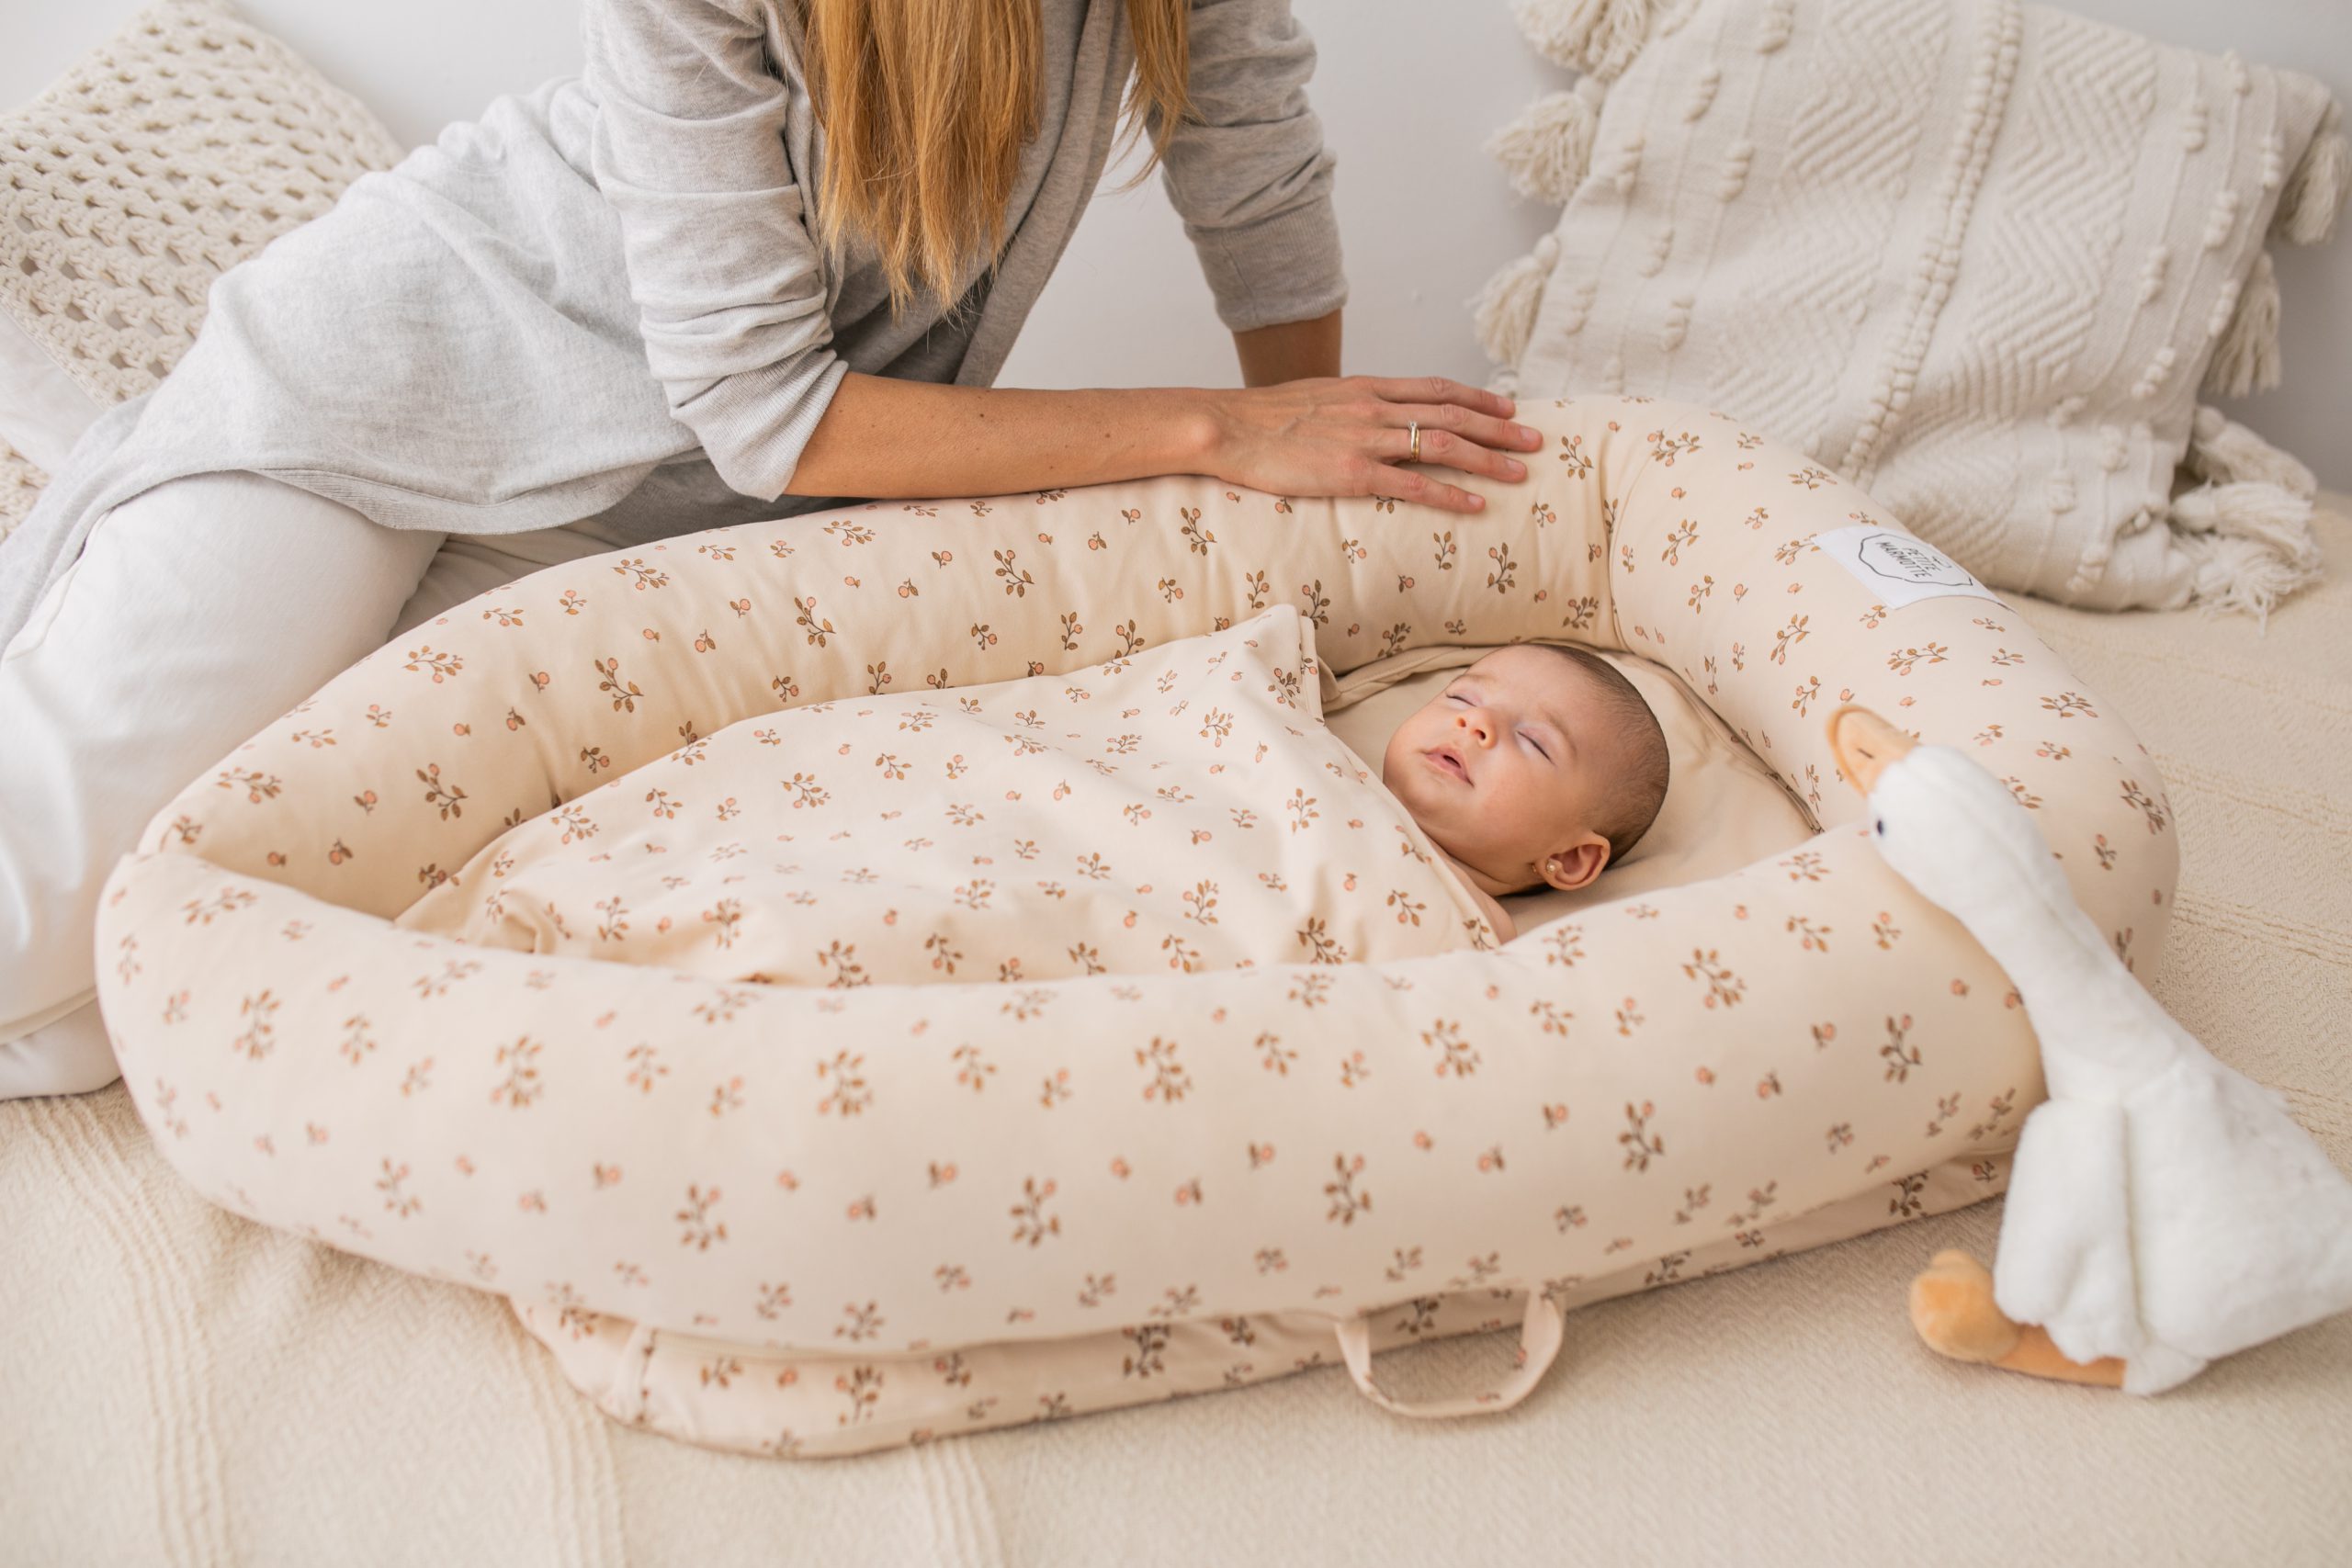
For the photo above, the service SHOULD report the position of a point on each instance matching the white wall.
(1407, 90)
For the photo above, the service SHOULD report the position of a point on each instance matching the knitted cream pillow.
(1975, 255)
(173, 151)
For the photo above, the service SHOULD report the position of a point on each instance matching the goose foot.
(1953, 1308)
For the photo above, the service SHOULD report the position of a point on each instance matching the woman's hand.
(1344, 435)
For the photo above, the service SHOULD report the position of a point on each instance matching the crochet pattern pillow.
(173, 151)
(1975, 255)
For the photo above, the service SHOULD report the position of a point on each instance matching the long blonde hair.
(927, 105)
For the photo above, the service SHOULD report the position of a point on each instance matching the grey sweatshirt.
(604, 301)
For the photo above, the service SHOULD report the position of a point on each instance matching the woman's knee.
(227, 564)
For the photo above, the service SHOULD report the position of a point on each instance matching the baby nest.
(1653, 1086)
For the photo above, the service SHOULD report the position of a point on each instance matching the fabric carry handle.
(1539, 1344)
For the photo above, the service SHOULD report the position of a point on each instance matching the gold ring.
(1414, 428)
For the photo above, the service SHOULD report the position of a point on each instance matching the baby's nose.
(1475, 723)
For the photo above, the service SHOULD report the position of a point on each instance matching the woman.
(639, 303)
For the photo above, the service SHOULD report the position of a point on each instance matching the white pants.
(197, 613)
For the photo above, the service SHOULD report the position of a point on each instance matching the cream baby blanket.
(1180, 807)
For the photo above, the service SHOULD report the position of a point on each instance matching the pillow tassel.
(1548, 148)
(2250, 543)
(2313, 198)
(2245, 355)
(2224, 452)
(1601, 37)
(1504, 312)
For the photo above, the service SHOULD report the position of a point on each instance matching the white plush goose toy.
(2164, 1211)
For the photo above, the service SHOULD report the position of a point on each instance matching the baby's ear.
(1576, 866)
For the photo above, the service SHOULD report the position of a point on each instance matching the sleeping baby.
(1178, 808)
(1537, 766)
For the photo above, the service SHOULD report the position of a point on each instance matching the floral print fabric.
(806, 1176)
(1180, 808)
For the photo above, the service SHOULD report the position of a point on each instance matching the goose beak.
(1864, 745)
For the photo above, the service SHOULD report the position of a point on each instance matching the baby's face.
(1504, 768)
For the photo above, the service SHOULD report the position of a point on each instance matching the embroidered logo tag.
(1897, 568)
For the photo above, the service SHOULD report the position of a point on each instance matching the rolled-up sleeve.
(1253, 181)
(689, 150)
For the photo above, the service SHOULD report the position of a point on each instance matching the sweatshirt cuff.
(1287, 267)
(754, 425)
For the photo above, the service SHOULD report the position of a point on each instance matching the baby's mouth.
(1447, 761)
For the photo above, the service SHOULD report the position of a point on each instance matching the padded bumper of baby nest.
(1676, 1079)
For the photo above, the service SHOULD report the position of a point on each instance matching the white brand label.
(1897, 568)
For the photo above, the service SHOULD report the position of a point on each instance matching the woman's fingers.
(1438, 389)
(1485, 429)
(1456, 451)
(1406, 485)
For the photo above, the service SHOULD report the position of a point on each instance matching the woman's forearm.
(1289, 351)
(1314, 435)
(887, 439)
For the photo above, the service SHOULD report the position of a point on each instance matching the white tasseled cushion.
(1976, 255)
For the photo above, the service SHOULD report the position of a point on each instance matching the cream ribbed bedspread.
(183, 1387)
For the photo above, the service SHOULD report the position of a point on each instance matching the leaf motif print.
(1640, 1143)
(1900, 1057)
(1273, 1055)
(1346, 1201)
(1789, 636)
(850, 1093)
(1455, 1054)
(448, 797)
(2147, 804)
(1017, 583)
(624, 693)
(645, 1068)
(259, 786)
(440, 666)
(972, 1070)
(1318, 607)
(398, 1201)
(1031, 1222)
(1665, 448)
(1322, 947)
(1504, 575)
(698, 1229)
(522, 1086)
(1170, 1081)
(1724, 988)
(815, 629)
(256, 1041)
(842, 959)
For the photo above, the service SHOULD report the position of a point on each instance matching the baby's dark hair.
(1641, 789)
